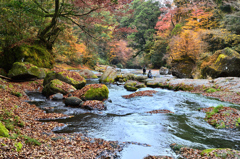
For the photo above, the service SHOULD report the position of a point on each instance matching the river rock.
(223, 63)
(93, 92)
(58, 96)
(73, 101)
(133, 85)
(57, 86)
(163, 71)
(101, 68)
(72, 78)
(94, 105)
(109, 75)
(25, 71)
(141, 78)
(87, 74)
(183, 67)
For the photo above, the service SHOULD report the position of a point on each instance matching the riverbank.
(226, 89)
(30, 138)
(38, 140)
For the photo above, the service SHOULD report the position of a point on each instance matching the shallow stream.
(126, 120)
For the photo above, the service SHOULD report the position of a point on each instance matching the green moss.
(100, 93)
(207, 151)
(238, 120)
(211, 90)
(220, 57)
(18, 146)
(18, 94)
(3, 130)
(32, 141)
(221, 126)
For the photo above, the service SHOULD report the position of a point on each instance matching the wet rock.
(163, 71)
(58, 96)
(131, 85)
(92, 92)
(141, 78)
(94, 105)
(25, 71)
(72, 78)
(73, 101)
(57, 86)
(109, 75)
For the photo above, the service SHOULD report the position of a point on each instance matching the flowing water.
(126, 120)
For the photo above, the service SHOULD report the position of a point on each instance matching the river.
(126, 120)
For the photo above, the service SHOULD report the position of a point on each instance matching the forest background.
(125, 33)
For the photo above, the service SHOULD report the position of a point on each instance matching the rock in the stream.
(94, 105)
(72, 78)
(163, 71)
(109, 75)
(57, 86)
(58, 96)
(133, 85)
(93, 92)
(73, 101)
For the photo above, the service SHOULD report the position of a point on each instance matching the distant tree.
(143, 20)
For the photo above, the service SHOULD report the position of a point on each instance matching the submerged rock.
(58, 96)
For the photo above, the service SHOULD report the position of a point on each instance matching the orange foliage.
(120, 51)
(188, 43)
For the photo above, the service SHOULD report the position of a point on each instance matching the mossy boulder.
(25, 70)
(141, 78)
(3, 72)
(33, 53)
(101, 68)
(223, 63)
(183, 67)
(3, 131)
(87, 74)
(133, 85)
(109, 75)
(72, 78)
(93, 92)
(57, 86)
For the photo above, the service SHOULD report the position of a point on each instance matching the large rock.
(93, 92)
(32, 52)
(109, 75)
(73, 101)
(163, 71)
(3, 131)
(87, 74)
(133, 85)
(57, 86)
(223, 63)
(25, 70)
(183, 67)
(72, 78)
